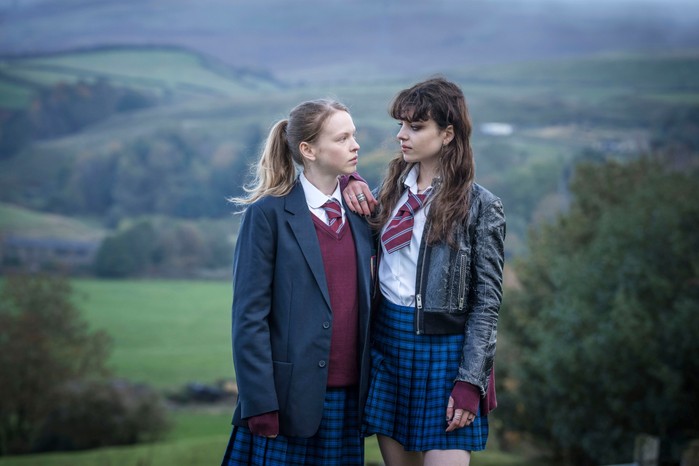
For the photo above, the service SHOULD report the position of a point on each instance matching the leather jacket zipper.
(462, 284)
(418, 296)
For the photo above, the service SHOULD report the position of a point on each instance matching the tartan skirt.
(411, 380)
(337, 443)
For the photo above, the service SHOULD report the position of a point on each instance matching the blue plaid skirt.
(411, 379)
(337, 442)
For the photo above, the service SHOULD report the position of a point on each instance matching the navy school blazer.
(281, 316)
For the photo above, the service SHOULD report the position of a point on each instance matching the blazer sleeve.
(253, 270)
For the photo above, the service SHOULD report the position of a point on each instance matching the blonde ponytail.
(276, 171)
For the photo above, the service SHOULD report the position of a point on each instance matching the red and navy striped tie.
(400, 229)
(334, 211)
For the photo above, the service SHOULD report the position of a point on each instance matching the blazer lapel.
(304, 231)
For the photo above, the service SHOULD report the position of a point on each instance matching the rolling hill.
(211, 120)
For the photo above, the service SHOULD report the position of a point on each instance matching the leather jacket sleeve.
(484, 295)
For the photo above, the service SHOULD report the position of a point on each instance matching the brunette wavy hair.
(443, 102)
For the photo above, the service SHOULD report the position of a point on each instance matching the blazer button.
(321, 364)
(326, 324)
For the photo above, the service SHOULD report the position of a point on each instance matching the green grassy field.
(167, 333)
(200, 450)
(200, 439)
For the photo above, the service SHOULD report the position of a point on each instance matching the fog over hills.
(353, 39)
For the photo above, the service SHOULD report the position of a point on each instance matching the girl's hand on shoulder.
(359, 198)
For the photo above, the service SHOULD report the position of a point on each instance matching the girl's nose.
(401, 136)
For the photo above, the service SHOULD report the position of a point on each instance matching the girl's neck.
(426, 175)
(324, 182)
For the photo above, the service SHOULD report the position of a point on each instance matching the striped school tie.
(334, 211)
(400, 229)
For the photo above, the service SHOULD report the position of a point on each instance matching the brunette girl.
(439, 283)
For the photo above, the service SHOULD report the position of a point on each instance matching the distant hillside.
(169, 72)
(185, 154)
(320, 40)
(17, 221)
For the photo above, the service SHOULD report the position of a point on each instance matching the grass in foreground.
(202, 451)
(166, 332)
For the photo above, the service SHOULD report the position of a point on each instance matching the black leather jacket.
(460, 290)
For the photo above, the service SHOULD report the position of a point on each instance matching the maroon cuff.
(466, 396)
(345, 179)
(266, 424)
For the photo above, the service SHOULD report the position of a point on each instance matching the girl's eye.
(411, 126)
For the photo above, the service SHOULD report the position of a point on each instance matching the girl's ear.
(448, 135)
(307, 151)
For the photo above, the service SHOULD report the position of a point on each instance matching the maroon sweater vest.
(340, 263)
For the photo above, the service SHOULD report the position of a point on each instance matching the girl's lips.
(404, 147)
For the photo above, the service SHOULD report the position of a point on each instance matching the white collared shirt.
(397, 271)
(315, 199)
